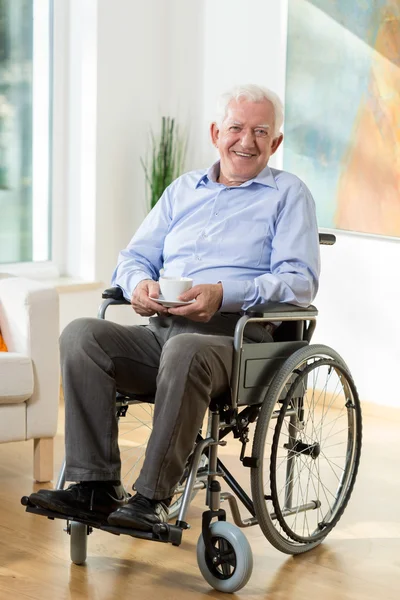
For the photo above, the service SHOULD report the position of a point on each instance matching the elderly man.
(246, 234)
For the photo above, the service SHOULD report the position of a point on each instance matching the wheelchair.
(298, 405)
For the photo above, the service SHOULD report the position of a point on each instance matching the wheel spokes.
(322, 425)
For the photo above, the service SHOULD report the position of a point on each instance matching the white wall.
(180, 54)
(149, 63)
(129, 64)
(359, 292)
(244, 42)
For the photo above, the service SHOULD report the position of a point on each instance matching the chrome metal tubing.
(290, 461)
(192, 476)
(237, 345)
(200, 485)
(103, 307)
(297, 509)
(61, 478)
(288, 413)
(236, 513)
(214, 496)
(310, 329)
(105, 304)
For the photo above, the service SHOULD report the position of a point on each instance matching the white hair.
(253, 93)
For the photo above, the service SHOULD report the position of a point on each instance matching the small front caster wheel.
(78, 546)
(232, 568)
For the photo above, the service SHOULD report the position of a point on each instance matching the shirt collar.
(265, 178)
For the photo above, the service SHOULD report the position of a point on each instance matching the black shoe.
(85, 500)
(140, 513)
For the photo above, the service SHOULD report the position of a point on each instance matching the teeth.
(242, 154)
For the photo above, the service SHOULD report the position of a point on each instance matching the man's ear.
(276, 143)
(214, 131)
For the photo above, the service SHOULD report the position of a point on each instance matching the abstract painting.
(342, 110)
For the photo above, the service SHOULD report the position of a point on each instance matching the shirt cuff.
(129, 282)
(233, 295)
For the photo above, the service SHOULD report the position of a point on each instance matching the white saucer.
(170, 303)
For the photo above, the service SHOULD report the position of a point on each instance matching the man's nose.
(248, 137)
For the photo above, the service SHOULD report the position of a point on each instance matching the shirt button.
(204, 235)
(216, 214)
(198, 257)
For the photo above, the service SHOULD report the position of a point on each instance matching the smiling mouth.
(243, 154)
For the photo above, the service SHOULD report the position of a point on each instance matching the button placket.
(215, 207)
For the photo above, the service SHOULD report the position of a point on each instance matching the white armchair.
(29, 371)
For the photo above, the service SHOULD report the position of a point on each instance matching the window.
(25, 120)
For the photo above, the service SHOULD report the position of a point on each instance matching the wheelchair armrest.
(116, 294)
(277, 311)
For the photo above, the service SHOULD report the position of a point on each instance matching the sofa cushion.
(16, 378)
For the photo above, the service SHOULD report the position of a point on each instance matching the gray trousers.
(183, 363)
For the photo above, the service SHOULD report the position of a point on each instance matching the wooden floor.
(360, 560)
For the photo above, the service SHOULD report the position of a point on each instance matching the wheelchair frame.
(252, 364)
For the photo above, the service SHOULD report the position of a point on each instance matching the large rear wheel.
(308, 443)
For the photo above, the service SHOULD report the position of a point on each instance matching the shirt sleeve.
(143, 257)
(295, 258)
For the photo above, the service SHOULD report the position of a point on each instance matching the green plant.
(167, 158)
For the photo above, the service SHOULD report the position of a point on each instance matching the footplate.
(162, 532)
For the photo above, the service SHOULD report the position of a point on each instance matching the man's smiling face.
(245, 140)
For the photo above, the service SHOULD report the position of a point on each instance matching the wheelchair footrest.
(163, 532)
(31, 508)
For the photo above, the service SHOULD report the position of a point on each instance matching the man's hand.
(141, 302)
(208, 300)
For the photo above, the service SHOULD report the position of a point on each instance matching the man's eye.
(261, 132)
(234, 128)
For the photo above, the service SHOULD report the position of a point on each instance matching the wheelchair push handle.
(327, 239)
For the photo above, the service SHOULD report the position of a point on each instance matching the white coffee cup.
(172, 287)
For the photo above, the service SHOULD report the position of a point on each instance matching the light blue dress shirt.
(259, 239)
